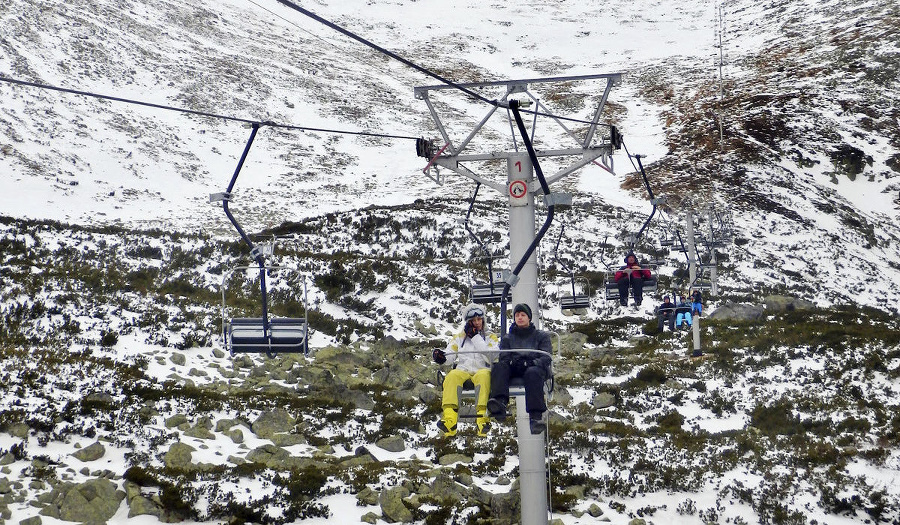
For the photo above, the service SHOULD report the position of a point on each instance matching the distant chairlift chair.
(490, 292)
(611, 288)
(580, 298)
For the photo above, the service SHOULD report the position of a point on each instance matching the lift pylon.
(520, 188)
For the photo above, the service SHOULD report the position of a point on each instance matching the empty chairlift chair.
(269, 335)
(490, 292)
(580, 298)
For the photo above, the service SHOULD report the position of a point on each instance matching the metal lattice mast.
(521, 190)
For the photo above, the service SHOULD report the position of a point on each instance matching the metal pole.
(689, 233)
(532, 460)
(692, 273)
(713, 288)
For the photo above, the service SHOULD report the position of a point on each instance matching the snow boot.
(448, 424)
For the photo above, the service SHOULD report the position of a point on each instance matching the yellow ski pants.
(455, 378)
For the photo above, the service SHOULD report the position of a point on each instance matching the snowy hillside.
(119, 402)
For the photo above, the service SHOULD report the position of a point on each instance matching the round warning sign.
(518, 189)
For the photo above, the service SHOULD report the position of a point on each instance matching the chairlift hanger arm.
(551, 210)
(652, 199)
(475, 237)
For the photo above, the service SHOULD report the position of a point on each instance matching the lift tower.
(586, 146)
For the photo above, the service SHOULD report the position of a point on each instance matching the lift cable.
(200, 113)
(415, 66)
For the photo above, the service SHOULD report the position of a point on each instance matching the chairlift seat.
(702, 286)
(246, 335)
(489, 293)
(575, 302)
(612, 288)
(666, 242)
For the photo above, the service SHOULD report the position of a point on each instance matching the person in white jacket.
(471, 353)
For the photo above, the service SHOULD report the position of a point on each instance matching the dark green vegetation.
(791, 400)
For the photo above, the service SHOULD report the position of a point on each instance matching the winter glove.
(438, 356)
(470, 329)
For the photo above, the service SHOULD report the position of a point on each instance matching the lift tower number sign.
(518, 190)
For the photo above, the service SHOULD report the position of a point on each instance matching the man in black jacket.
(532, 367)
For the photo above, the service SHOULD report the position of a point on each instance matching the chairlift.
(250, 335)
(490, 292)
(259, 334)
(580, 297)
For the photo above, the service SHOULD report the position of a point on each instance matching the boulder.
(506, 508)
(92, 452)
(603, 400)
(367, 496)
(94, 501)
(391, 444)
(784, 303)
(738, 312)
(392, 506)
(179, 456)
(272, 422)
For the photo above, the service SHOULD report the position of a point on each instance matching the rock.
(391, 444)
(739, 312)
(268, 455)
(226, 424)
(576, 490)
(141, 506)
(360, 399)
(199, 432)
(19, 430)
(556, 521)
(94, 501)
(7, 459)
(5, 487)
(236, 435)
(179, 456)
(367, 496)
(603, 400)
(502, 480)
(784, 303)
(444, 488)
(595, 511)
(102, 398)
(637, 521)
(506, 508)
(272, 422)
(369, 517)
(392, 507)
(178, 358)
(449, 459)
(93, 452)
(34, 520)
(287, 440)
(176, 420)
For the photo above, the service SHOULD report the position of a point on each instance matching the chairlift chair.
(258, 334)
(490, 292)
(611, 288)
(516, 384)
(580, 298)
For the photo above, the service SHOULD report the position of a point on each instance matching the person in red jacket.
(632, 276)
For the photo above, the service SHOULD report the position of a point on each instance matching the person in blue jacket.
(533, 367)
